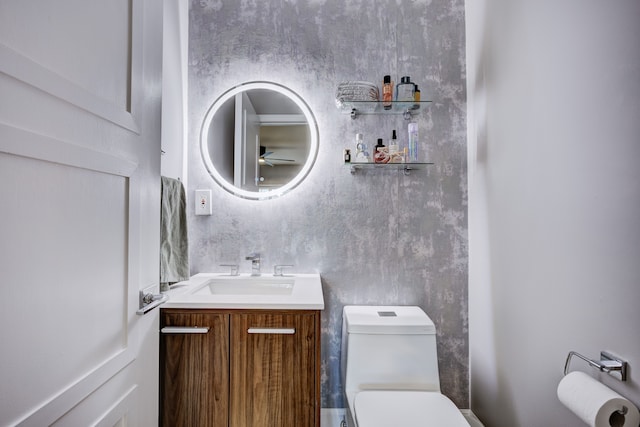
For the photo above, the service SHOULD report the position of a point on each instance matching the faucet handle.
(235, 269)
(277, 269)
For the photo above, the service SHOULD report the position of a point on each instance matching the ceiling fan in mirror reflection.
(265, 157)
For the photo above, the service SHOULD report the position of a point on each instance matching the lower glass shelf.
(407, 109)
(405, 167)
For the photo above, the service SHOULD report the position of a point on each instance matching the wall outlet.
(203, 202)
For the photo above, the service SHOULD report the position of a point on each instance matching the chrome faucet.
(254, 257)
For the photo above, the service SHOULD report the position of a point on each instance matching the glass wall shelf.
(406, 109)
(405, 167)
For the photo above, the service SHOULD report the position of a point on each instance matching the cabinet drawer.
(273, 369)
(194, 363)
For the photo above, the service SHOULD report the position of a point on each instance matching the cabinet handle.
(277, 331)
(184, 330)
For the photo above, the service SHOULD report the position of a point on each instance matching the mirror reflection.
(259, 140)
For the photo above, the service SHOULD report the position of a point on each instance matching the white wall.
(175, 42)
(554, 200)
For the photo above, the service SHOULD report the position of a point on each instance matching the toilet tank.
(388, 347)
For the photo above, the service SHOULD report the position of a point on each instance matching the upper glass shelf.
(406, 109)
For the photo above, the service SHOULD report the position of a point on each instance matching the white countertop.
(306, 293)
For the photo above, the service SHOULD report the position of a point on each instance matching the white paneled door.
(79, 219)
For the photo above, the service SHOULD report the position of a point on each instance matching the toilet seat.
(381, 408)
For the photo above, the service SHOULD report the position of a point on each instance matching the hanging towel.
(174, 241)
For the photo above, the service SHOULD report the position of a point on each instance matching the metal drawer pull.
(277, 331)
(184, 330)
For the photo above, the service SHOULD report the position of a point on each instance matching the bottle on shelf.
(387, 92)
(393, 142)
(380, 153)
(395, 155)
(362, 155)
(413, 142)
(405, 90)
(347, 155)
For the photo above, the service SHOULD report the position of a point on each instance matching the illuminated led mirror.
(259, 140)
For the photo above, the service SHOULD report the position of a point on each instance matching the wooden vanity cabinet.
(272, 369)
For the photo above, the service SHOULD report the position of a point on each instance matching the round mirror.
(259, 140)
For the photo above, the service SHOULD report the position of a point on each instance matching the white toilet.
(389, 369)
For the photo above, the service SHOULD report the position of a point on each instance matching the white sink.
(260, 285)
(216, 290)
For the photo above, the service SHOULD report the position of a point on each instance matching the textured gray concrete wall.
(376, 237)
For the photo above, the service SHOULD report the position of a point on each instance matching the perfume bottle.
(393, 143)
(395, 154)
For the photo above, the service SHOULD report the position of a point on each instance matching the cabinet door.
(274, 370)
(194, 368)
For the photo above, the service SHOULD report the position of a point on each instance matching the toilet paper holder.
(608, 363)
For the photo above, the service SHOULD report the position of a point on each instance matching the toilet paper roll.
(596, 404)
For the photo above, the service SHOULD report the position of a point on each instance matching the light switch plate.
(203, 202)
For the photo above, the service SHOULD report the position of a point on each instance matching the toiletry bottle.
(413, 143)
(362, 155)
(347, 155)
(387, 92)
(398, 87)
(393, 144)
(380, 153)
(396, 155)
(416, 98)
(359, 140)
(404, 90)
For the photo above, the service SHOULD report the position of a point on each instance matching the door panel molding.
(24, 143)
(27, 70)
(118, 414)
(50, 411)
(47, 410)
(21, 68)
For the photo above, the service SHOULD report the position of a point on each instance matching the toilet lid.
(406, 409)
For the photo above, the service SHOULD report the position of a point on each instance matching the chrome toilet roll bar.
(608, 363)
